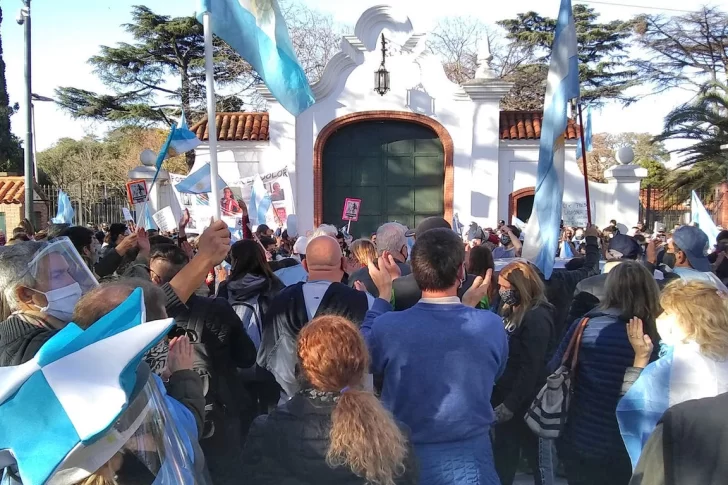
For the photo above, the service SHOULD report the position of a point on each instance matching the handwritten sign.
(351, 209)
(127, 214)
(574, 214)
(137, 191)
(165, 220)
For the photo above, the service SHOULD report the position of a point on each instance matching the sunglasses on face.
(178, 331)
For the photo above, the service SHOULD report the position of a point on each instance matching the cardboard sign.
(165, 220)
(127, 214)
(137, 191)
(351, 209)
(574, 214)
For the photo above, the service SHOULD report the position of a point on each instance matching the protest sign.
(574, 214)
(278, 185)
(127, 214)
(165, 220)
(351, 210)
(137, 192)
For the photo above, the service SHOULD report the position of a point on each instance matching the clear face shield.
(61, 278)
(146, 446)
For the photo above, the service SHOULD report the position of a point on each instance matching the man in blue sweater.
(439, 360)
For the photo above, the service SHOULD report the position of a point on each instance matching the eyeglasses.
(178, 331)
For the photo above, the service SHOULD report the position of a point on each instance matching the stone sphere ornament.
(625, 155)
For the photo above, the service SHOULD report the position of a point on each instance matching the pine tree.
(11, 153)
(602, 48)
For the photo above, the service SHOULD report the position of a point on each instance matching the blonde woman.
(363, 252)
(529, 321)
(332, 431)
(693, 331)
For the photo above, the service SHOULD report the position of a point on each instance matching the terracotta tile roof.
(12, 190)
(526, 125)
(235, 127)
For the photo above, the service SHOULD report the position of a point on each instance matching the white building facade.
(426, 147)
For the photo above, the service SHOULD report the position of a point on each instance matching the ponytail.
(365, 437)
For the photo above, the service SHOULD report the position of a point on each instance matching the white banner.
(165, 220)
(234, 197)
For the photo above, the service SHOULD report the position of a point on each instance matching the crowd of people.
(414, 356)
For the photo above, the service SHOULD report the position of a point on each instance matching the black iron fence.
(672, 208)
(93, 204)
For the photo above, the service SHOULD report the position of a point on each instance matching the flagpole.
(211, 124)
(583, 161)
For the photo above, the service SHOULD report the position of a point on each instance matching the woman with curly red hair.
(332, 431)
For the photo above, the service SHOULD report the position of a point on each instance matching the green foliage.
(140, 73)
(704, 124)
(648, 153)
(602, 48)
(11, 152)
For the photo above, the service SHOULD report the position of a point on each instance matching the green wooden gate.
(395, 167)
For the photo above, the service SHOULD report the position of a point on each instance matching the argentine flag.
(680, 375)
(65, 209)
(701, 217)
(542, 236)
(73, 389)
(257, 31)
(260, 202)
(199, 182)
(182, 139)
(587, 135)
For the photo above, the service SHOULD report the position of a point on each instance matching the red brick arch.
(338, 123)
(513, 200)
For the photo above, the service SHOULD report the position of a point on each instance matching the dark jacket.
(406, 293)
(288, 315)
(688, 446)
(186, 387)
(21, 336)
(289, 446)
(250, 286)
(362, 275)
(560, 287)
(604, 356)
(526, 367)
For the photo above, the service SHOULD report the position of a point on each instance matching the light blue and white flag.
(566, 251)
(260, 202)
(74, 389)
(148, 221)
(587, 135)
(65, 212)
(257, 31)
(699, 215)
(542, 235)
(681, 374)
(199, 182)
(162, 155)
(183, 139)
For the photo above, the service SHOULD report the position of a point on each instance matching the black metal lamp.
(381, 76)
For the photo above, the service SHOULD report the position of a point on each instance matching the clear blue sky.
(67, 32)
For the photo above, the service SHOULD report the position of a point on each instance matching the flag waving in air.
(587, 135)
(65, 212)
(260, 202)
(199, 181)
(542, 235)
(257, 31)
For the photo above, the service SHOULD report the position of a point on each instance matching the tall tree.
(683, 51)
(11, 153)
(704, 125)
(602, 48)
(648, 153)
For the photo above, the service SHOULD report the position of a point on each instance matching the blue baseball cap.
(693, 242)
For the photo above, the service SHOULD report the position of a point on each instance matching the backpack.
(251, 317)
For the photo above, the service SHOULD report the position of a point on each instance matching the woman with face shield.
(41, 283)
(693, 363)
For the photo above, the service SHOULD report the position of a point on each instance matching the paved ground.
(523, 479)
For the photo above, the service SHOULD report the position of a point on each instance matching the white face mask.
(670, 331)
(62, 301)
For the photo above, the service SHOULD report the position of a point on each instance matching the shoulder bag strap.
(579, 333)
(573, 342)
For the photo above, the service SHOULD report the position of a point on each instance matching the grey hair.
(325, 230)
(391, 237)
(14, 263)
